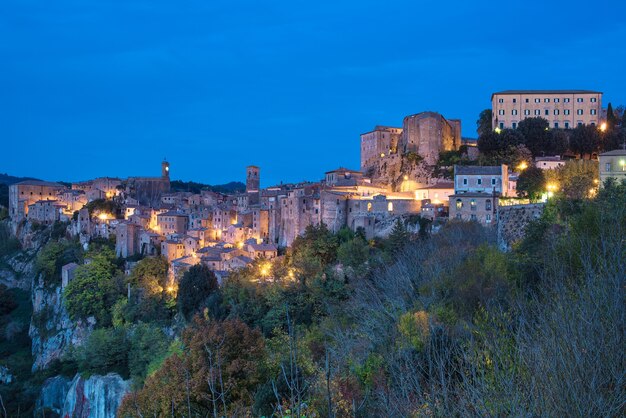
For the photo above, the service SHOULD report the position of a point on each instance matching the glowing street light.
(498, 130)
(522, 166)
(603, 126)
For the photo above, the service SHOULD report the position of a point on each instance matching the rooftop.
(39, 183)
(546, 92)
(477, 170)
(614, 152)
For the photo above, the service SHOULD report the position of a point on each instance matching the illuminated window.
(473, 204)
(369, 207)
(459, 204)
(390, 206)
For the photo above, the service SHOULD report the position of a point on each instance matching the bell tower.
(253, 183)
(165, 169)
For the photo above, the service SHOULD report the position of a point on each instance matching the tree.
(150, 274)
(611, 119)
(535, 132)
(483, 124)
(93, 290)
(578, 178)
(531, 183)
(197, 284)
(106, 351)
(147, 343)
(557, 142)
(354, 253)
(584, 140)
(398, 237)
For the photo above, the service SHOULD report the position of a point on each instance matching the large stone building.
(429, 133)
(426, 134)
(26, 193)
(561, 108)
(148, 190)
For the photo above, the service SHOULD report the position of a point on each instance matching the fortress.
(425, 134)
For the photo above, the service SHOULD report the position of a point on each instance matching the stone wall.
(512, 222)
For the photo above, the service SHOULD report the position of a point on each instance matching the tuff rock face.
(51, 330)
(52, 396)
(95, 397)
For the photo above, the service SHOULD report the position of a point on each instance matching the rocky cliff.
(94, 397)
(51, 330)
(513, 220)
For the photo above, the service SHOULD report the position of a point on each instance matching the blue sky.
(111, 87)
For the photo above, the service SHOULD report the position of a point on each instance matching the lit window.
(390, 206)
(369, 207)
(473, 204)
(459, 204)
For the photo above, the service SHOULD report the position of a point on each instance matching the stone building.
(172, 222)
(549, 163)
(474, 206)
(148, 190)
(380, 142)
(481, 179)
(429, 133)
(45, 211)
(613, 165)
(563, 109)
(26, 193)
(127, 239)
(426, 134)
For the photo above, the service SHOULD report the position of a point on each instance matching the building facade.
(613, 165)
(563, 109)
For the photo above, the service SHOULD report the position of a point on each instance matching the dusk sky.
(111, 87)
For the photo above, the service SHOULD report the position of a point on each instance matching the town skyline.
(287, 88)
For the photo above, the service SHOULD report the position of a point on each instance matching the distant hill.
(8, 180)
(191, 186)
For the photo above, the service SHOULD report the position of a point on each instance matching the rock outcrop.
(52, 395)
(95, 397)
(51, 330)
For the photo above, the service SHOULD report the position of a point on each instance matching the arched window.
(369, 207)
(459, 204)
(390, 206)
(488, 204)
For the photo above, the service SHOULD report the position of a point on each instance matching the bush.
(106, 351)
(93, 291)
(54, 256)
(197, 284)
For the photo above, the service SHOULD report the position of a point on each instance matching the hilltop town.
(130, 293)
(400, 176)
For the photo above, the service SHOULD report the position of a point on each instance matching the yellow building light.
(522, 166)
(603, 126)
(498, 130)
(382, 154)
(406, 177)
